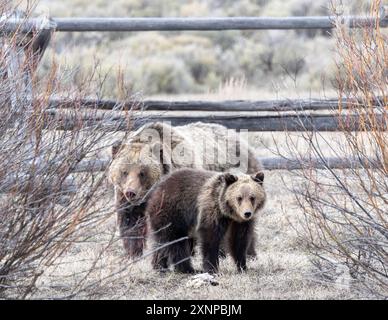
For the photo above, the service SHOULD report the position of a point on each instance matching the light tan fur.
(245, 195)
(204, 146)
(126, 167)
(217, 198)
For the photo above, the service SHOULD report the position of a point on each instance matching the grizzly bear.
(157, 149)
(194, 206)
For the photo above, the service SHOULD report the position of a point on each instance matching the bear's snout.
(247, 214)
(130, 194)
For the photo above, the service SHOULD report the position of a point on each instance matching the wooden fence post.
(25, 51)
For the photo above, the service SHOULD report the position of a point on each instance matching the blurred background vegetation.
(176, 63)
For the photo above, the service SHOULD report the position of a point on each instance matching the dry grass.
(345, 212)
(237, 89)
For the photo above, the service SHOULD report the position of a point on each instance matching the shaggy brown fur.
(138, 165)
(134, 238)
(191, 205)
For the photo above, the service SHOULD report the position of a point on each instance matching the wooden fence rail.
(237, 121)
(271, 163)
(208, 24)
(230, 105)
(198, 24)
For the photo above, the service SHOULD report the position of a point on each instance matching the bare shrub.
(47, 199)
(345, 218)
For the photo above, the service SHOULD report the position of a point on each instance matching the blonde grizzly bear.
(191, 206)
(157, 149)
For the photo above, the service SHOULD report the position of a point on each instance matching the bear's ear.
(258, 177)
(116, 146)
(229, 178)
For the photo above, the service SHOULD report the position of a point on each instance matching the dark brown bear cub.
(192, 206)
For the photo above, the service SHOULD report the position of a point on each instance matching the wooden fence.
(215, 106)
(270, 115)
(279, 115)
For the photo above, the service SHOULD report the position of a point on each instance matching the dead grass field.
(282, 270)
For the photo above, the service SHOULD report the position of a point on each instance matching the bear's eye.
(125, 173)
(252, 200)
(141, 174)
(239, 200)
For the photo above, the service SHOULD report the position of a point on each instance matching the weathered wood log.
(42, 36)
(92, 165)
(207, 24)
(274, 122)
(204, 24)
(25, 52)
(331, 162)
(17, 22)
(231, 105)
(272, 163)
